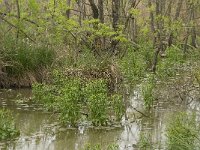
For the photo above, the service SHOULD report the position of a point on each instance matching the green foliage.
(62, 96)
(183, 132)
(96, 94)
(132, 66)
(7, 125)
(48, 99)
(145, 142)
(90, 147)
(70, 96)
(147, 91)
(169, 66)
(118, 106)
(21, 57)
(69, 101)
(99, 147)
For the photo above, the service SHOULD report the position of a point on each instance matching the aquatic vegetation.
(22, 63)
(7, 125)
(118, 106)
(99, 147)
(183, 132)
(96, 95)
(147, 91)
(145, 142)
(133, 66)
(75, 98)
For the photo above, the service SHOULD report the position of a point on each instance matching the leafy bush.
(73, 96)
(7, 125)
(70, 101)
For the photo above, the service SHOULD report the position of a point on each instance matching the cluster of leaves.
(7, 125)
(73, 97)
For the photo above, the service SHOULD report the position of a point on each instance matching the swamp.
(100, 74)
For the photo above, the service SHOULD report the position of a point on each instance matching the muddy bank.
(22, 81)
(110, 73)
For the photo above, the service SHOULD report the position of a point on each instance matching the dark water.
(41, 131)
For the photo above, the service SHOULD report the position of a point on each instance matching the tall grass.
(21, 57)
(183, 132)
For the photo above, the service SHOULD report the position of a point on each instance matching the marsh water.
(40, 130)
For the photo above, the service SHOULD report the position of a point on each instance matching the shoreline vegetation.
(87, 56)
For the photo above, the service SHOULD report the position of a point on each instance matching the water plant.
(74, 97)
(118, 106)
(145, 142)
(99, 147)
(96, 94)
(7, 125)
(183, 132)
(147, 91)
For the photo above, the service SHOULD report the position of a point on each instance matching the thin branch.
(8, 22)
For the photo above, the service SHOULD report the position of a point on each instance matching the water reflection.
(40, 130)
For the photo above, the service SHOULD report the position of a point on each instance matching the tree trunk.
(18, 16)
(68, 11)
(94, 9)
(115, 22)
(178, 10)
(101, 11)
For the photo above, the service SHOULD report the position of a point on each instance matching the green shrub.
(73, 96)
(62, 98)
(7, 125)
(69, 100)
(96, 94)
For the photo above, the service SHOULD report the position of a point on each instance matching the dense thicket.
(103, 28)
(88, 53)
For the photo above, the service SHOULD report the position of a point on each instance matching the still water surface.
(41, 131)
